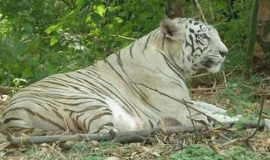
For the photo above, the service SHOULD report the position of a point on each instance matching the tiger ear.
(169, 28)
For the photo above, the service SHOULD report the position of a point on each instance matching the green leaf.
(30, 19)
(54, 40)
(100, 9)
(118, 20)
(27, 27)
(52, 28)
(27, 73)
(96, 18)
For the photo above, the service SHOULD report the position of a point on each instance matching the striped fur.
(139, 87)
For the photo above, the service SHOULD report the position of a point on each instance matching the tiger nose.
(223, 53)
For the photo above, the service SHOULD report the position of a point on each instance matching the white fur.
(122, 120)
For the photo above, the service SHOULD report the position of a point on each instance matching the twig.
(232, 70)
(231, 9)
(224, 77)
(87, 11)
(9, 88)
(200, 9)
(211, 10)
(55, 151)
(198, 75)
(121, 137)
(193, 125)
(217, 150)
(229, 143)
(206, 89)
(123, 37)
(260, 114)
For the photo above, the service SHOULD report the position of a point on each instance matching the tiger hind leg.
(16, 124)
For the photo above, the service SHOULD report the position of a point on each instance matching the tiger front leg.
(219, 114)
(215, 113)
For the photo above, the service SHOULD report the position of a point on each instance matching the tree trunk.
(252, 31)
(259, 43)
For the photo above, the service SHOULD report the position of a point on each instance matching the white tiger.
(140, 87)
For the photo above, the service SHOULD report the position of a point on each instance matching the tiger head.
(200, 45)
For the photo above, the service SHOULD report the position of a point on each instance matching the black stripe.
(15, 101)
(41, 117)
(147, 40)
(131, 85)
(107, 62)
(161, 93)
(155, 33)
(11, 119)
(170, 77)
(110, 124)
(192, 44)
(151, 124)
(87, 126)
(163, 41)
(177, 70)
(90, 108)
(130, 50)
(119, 61)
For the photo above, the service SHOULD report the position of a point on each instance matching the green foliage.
(23, 40)
(62, 35)
(66, 35)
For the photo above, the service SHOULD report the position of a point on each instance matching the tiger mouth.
(208, 63)
(211, 64)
